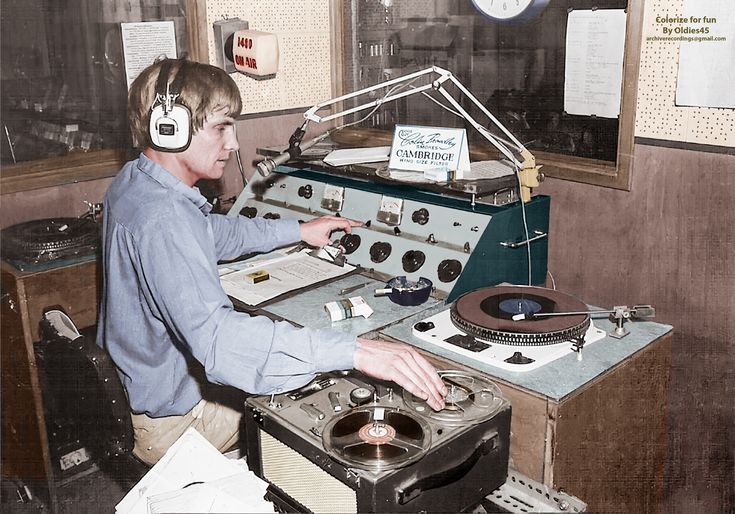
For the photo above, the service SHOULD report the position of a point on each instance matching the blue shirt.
(163, 307)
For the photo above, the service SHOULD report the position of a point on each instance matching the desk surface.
(556, 380)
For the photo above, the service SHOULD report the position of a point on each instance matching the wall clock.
(510, 10)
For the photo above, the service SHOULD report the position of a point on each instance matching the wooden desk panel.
(25, 450)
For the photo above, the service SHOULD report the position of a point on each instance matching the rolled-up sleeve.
(252, 353)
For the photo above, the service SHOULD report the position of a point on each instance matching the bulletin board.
(657, 115)
(304, 38)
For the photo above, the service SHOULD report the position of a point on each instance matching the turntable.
(345, 445)
(485, 325)
(51, 242)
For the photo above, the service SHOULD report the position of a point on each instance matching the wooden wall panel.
(669, 242)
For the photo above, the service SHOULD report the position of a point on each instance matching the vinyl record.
(376, 438)
(487, 314)
(470, 399)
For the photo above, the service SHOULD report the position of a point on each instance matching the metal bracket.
(517, 244)
(522, 495)
(223, 29)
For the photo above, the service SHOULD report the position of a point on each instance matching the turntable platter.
(47, 240)
(487, 314)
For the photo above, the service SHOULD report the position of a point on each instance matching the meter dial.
(333, 198)
(390, 210)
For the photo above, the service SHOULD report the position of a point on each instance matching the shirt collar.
(166, 179)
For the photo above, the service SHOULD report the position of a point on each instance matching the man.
(166, 321)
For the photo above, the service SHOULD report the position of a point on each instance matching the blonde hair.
(205, 89)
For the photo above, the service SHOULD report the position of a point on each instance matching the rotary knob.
(448, 270)
(420, 216)
(249, 212)
(350, 242)
(380, 251)
(306, 191)
(412, 260)
(360, 396)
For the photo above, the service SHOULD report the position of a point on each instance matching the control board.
(459, 243)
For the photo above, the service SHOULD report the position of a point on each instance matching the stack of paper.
(193, 476)
(347, 156)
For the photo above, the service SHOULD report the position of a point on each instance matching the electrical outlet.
(223, 30)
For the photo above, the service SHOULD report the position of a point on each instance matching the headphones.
(169, 128)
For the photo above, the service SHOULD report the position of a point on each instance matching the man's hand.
(317, 232)
(403, 365)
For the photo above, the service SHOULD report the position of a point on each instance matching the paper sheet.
(706, 53)
(593, 72)
(287, 273)
(143, 42)
(347, 156)
(192, 459)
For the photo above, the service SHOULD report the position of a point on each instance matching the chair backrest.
(86, 387)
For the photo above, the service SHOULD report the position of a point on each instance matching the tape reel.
(470, 399)
(377, 438)
(169, 127)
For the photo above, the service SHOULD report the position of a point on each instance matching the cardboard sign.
(431, 150)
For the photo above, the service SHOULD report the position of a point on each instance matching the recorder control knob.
(360, 396)
(420, 216)
(380, 251)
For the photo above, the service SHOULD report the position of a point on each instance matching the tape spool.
(377, 438)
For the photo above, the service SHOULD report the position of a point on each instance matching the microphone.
(267, 165)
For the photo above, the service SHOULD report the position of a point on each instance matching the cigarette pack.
(257, 276)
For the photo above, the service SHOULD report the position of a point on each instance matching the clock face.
(510, 10)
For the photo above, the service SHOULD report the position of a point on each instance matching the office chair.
(86, 403)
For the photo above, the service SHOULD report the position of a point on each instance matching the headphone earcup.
(170, 132)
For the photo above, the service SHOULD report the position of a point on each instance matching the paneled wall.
(669, 242)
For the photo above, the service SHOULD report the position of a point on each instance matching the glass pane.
(516, 70)
(63, 76)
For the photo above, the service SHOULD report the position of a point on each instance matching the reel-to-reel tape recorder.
(341, 444)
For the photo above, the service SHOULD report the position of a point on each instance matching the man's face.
(210, 148)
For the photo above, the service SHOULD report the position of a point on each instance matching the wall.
(668, 242)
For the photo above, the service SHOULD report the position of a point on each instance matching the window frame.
(98, 164)
(578, 169)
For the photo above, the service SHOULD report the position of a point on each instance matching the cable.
(239, 166)
(379, 104)
(525, 222)
(479, 127)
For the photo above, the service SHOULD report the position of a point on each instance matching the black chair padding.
(85, 390)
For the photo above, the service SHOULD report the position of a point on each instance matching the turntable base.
(497, 355)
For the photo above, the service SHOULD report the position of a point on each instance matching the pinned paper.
(438, 151)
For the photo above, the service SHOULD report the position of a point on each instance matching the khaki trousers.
(218, 423)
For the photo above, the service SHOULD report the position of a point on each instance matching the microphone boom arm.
(522, 159)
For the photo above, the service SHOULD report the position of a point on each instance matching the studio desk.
(595, 428)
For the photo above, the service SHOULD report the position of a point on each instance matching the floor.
(93, 490)
(93, 493)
